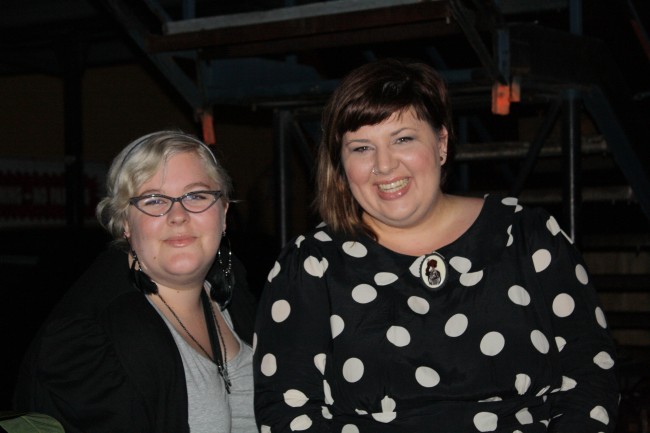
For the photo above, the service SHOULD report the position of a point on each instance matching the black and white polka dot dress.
(350, 339)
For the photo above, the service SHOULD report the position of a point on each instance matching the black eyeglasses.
(157, 205)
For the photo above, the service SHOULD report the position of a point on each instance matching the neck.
(450, 217)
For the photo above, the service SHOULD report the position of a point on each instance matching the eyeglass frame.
(216, 193)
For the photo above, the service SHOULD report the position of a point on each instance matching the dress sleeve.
(589, 395)
(293, 340)
(82, 382)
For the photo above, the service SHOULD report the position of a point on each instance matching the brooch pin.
(433, 271)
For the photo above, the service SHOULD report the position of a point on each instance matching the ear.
(226, 206)
(443, 140)
(127, 229)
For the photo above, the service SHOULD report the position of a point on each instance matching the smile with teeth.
(393, 186)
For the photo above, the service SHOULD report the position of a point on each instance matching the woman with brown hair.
(414, 310)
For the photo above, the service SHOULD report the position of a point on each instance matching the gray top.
(210, 408)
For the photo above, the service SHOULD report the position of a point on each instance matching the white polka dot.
(563, 305)
(364, 293)
(265, 429)
(299, 240)
(599, 414)
(491, 399)
(581, 274)
(600, 318)
(355, 249)
(471, 279)
(295, 398)
(322, 236)
(336, 325)
(350, 428)
(540, 341)
(314, 267)
(553, 226)
(604, 360)
(361, 412)
(399, 336)
(427, 377)
(300, 423)
(275, 270)
(269, 365)
(510, 201)
(519, 295)
(328, 393)
(542, 391)
(524, 417)
(353, 370)
(485, 421)
(541, 260)
(321, 225)
(461, 264)
(414, 269)
(510, 238)
(385, 278)
(522, 383)
(384, 417)
(518, 208)
(418, 305)
(456, 325)
(387, 413)
(560, 343)
(492, 343)
(319, 362)
(325, 411)
(280, 310)
(568, 383)
(254, 341)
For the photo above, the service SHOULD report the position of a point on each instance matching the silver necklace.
(222, 366)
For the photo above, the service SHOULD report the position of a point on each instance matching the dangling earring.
(139, 279)
(220, 280)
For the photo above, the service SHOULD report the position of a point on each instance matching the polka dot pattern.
(355, 249)
(323, 237)
(563, 305)
(418, 305)
(519, 295)
(269, 365)
(456, 325)
(337, 325)
(353, 370)
(541, 260)
(385, 278)
(280, 311)
(492, 344)
(427, 377)
(364, 293)
(604, 360)
(295, 398)
(399, 336)
(391, 338)
(540, 341)
(486, 421)
(581, 274)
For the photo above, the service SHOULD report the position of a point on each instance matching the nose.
(385, 161)
(177, 213)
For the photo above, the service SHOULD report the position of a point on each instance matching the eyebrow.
(197, 186)
(392, 134)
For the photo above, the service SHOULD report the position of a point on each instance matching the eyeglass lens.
(158, 204)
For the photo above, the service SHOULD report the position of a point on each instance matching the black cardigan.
(105, 361)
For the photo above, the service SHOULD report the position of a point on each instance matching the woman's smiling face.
(177, 249)
(393, 169)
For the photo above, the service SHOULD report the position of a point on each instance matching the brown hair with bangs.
(369, 95)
